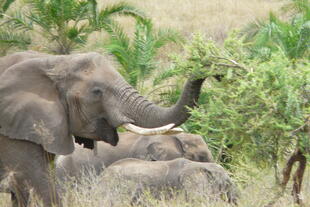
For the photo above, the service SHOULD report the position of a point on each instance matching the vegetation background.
(254, 109)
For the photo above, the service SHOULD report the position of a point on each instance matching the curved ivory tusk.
(176, 130)
(167, 129)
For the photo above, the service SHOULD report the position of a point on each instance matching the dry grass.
(257, 191)
(212, 17)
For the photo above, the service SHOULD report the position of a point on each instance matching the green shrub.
(249, 107)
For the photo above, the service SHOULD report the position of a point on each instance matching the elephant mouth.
(98, 130)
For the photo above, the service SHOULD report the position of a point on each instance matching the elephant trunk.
(148, 115)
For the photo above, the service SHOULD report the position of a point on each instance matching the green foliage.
(292, 38)
(66, 24)
(101, 18)
(203, 59)
(252, 109)
(4, 5)
(8, 37)
(137, 56)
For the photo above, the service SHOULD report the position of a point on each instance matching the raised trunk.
(147, 114)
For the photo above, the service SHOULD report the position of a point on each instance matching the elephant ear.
(156, 152)
(180, 145)
(30, 106)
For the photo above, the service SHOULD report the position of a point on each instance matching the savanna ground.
(256, 190)
(215, 18)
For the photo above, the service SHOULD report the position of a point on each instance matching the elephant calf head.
(169, 147)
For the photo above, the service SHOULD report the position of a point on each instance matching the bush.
(249, 106)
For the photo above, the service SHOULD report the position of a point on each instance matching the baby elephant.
(130, 145)
(198, 181)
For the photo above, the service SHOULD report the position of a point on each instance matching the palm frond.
(290, 37)
(19, 22)
(9, 39)
(137, 56)
(251, 30)
(304, 41)
(119, 43)
(121, 8)
(170, 72)
(4, 5)
(165, 36)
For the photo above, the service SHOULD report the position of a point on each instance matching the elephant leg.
(29, 166)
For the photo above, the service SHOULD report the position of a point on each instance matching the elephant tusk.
(172, 131)
(167, 129)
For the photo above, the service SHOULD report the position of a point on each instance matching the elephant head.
(207, 179)
(169, 147)
(48, 99)
(195, 148)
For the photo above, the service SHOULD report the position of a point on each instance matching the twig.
(235, 63)
(227, 65)
(307, 122)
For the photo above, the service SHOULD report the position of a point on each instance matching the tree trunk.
(297, 156)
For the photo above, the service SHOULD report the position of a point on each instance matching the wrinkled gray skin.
(130, 145)
(133, 177)
(45, 99)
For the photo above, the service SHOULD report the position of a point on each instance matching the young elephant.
(195, 179)
(130, 145)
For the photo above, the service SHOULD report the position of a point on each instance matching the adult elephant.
(47, 99)
(135, 178)
(131, 145)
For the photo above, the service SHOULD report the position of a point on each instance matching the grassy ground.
(215, 18)
(256, 191)
(212, 17)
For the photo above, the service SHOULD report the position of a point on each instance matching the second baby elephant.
(152, 148)
(135, 178)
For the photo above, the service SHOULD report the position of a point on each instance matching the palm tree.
(137, 56)
(4, 5)
(66, 24)
(293, 37)
(8, 37)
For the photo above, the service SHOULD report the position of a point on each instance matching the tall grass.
(256, 190)
(212, 17)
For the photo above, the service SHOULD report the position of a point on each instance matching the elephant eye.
(97, 91)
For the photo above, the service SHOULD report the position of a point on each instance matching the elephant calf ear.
(156, 153)
(30, 108)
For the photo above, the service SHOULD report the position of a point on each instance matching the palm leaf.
(290, 37)
(19, 22)
(5, 4)
(121, 8)
(9, 39)
(165, 36)
(119, 44)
